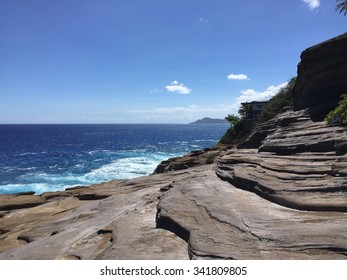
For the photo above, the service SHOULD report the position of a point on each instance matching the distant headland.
(210, 121)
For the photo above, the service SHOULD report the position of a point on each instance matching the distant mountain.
(210, 121)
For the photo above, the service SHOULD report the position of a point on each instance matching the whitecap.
(94, 152)
(38, 188)
(204, 140)
(124, 168)
(27, 154)
(132, 165)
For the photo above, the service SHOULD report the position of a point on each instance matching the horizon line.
(104, 123)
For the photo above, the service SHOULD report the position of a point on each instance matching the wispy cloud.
(176, 87)
(240, 77)
(312, 4)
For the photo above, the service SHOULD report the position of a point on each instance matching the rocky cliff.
(282, 196)
(322, 77)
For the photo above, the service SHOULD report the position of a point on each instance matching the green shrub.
(210, 158)
(282, 99)
(339, 114)
(233, 134)
(228, 137)
(238, 126)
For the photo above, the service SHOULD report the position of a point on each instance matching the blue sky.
(150, 61)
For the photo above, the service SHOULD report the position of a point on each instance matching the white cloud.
(240, 77)
(176, 87)
(249, 95)
(313, 4)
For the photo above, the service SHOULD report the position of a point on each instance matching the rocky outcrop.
(298, 163)
(117, 221)
(322, 77)
(286, 200)
(220, 220)
(294, 132)
(321, 80)
(192, 159)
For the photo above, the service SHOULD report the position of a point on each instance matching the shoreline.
(190, 159)
(198, 206)
(48, 159)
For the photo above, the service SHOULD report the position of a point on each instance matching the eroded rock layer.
(287, 199)
(221, 221)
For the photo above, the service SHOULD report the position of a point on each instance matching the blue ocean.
(43, 158)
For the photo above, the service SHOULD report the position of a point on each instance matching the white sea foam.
(123, 168)
(38, 188)
(204, 140)
(27, 154)
(74, 158)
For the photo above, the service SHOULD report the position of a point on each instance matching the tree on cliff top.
(342, 7)
(244, 109)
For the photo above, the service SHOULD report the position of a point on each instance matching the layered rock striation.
(285, 199)
(322, 77)
(301, 159)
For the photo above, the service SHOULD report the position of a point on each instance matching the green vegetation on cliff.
(339, 114)
(235, 134)
(282, 99)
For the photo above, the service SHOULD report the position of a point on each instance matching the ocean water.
(44, 158)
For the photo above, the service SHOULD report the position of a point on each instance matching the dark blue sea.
(44, 158)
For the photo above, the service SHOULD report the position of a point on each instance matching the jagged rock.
(322, 77)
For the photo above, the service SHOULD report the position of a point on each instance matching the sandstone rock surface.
(114, 220)
(221, 221)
